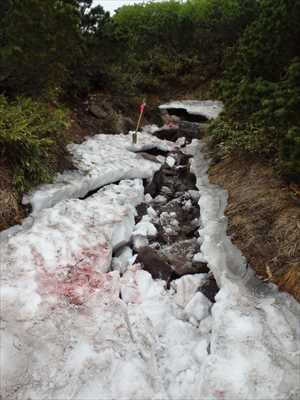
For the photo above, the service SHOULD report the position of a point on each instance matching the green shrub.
(28, 131)
(261, 89)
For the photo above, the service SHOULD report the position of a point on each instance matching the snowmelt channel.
(66, 333)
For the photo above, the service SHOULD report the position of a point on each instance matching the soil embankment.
(264, 219)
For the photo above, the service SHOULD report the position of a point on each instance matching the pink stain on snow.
(79, 281)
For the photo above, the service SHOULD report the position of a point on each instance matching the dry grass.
(264, 219)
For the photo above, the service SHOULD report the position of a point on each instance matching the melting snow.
(208, 108)
(100, 160)
(67, 334)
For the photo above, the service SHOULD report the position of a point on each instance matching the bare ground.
(264, 219)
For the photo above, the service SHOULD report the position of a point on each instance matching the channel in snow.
(73, 329)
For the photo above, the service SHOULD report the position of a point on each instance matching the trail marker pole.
(142, 108)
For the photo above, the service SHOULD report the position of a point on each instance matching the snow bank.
(254, 349)
(100, 160)
(207, 108)
(66, 334)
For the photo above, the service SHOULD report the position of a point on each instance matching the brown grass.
(264, 219)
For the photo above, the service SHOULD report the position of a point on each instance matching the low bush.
(28, 132)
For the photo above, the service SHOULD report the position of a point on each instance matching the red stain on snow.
(79, 281)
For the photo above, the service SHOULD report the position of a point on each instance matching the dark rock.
(147, 156)
(97, 111)
(155, 264)
(185, 116)
(168, 134)
(157, 182)
(210, 288)
(180, 257)
(141, 211)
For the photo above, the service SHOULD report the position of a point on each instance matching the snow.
(142, 231)
(73, 329)
(208, 108)
(254, 348)
(170, 161)
(123, 259)
(100, 160)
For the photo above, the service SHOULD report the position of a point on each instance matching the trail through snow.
(73, 329)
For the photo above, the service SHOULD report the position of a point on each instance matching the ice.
(100, 160)
(208, 108)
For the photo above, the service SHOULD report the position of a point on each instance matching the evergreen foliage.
(261, 88)
(52, 49)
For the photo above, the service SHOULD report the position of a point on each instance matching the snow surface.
(73, 329)
(66, 334)
(208, 108)
(254, 345)
(100, 160)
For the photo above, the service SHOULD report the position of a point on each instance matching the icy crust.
(65, 332)
(100, 160)
(208, 108)
(255, 346)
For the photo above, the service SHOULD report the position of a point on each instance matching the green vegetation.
(28, 132)
(261, 88)
(247, 50)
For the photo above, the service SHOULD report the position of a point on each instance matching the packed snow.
(255, 339)
(100, 160)
(207, 108)
(80, 320)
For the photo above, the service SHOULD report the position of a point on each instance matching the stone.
(155, 264)
(210, 288)
(180, 256)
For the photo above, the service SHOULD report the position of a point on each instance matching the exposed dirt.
(264, 219)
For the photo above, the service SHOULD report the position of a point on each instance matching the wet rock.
(180, 256)
(155, 264)
(153, 188)
(141, 211)
(168, 134)
(185, 212)
(210, 288)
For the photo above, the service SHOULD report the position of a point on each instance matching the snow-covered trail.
(73, 329)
